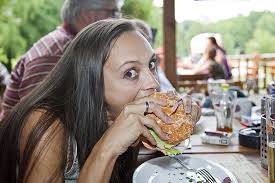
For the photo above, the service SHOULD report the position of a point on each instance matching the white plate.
(165, 169)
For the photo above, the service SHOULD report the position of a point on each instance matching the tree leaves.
(23, 23)
(243, 34)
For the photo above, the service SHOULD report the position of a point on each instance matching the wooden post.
(169, 25)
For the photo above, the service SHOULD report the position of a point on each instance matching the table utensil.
(206, 175)
(166, 169)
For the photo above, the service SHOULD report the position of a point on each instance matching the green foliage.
(266, 22)
(264, 35)
(3, 57)
(255, 16)
(137, 9)
(2, 2)
(38, 18)
(10, 39)
(185, 32)
(238, 28)
(228, 41)
(155, 21)
(262, 42)
(23, 23)
(144, 10)
(242, 34)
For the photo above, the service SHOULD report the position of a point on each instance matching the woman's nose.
(150, 81)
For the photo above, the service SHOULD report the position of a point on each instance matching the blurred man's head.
(145, 29)
(80, 13)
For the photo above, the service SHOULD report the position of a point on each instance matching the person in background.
(165, 84)
(197, 47)
(208, 64)
(81, 124)
(220, 56)
(145, 29)
(4, 75)
(39, 60)
(4, 80)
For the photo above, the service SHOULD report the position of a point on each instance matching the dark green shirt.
(216, 71)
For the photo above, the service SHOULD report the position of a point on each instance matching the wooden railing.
(195, 82)
(251, 66)
(258, 68)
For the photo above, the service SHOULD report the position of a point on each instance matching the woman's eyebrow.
(154, 56)
(129, 62)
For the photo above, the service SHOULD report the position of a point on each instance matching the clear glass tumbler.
(224, 103)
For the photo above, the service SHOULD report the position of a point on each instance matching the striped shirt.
(34, 66)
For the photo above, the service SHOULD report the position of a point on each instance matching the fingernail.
(171, 93)
(169, 119)
(187, 109)
(176, 105)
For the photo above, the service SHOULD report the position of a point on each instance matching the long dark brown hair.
(73, 93)
(214, 43)
(211, 53)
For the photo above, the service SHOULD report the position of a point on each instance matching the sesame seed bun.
(181, 127)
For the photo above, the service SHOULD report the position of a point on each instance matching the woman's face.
(130, 72)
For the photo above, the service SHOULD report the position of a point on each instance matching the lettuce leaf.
(168, 148)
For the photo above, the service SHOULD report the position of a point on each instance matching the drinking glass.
(214, 86)
(270, 131)
(224, 103)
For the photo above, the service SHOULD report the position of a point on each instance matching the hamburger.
(179, 130)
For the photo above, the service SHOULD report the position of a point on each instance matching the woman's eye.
(131, 74)
(152, 65)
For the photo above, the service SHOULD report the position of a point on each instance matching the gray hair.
(71, 8)
(144, 28)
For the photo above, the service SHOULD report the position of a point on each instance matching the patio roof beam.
(169, 27)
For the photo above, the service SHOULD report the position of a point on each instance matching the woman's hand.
(131, 124)
(190, 107)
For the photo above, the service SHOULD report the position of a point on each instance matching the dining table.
(243, 162)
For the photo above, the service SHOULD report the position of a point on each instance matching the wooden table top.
(209, 122)
(243, 162)
(245, 167)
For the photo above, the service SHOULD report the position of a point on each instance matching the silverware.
(201, 171)
(187, 144)
(206, 175)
